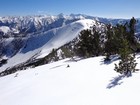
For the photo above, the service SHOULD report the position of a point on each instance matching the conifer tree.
(89, 43)
(83, 47)
(53, 55)
(131, 34)
(96, 43)
(127, 64)
(110, 44)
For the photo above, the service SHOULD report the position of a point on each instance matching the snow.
(8, 40)
(4, 29)
(16, 31)
(60, 29)
(43, 44)
(85, 82)
(66, 34)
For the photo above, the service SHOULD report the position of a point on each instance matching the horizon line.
(49, 14)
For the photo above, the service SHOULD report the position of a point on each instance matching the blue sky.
(101, 8)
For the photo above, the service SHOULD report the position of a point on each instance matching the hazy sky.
(101, 8)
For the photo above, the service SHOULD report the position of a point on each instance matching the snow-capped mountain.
(22, 26)
(22, 38)
(33, 24)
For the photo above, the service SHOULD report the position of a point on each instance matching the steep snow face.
(66, 34)
(42, 44)
(85, 82)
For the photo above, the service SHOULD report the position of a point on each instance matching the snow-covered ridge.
(42, 44)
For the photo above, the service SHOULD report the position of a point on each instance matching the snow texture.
(85, 82)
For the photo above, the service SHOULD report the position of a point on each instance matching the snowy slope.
(42, 44)
(85, 82)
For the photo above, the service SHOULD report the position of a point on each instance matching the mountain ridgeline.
(43, 39)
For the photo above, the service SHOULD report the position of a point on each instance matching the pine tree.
(83, 47)
(127, 64)
(88, 44)
(111, 43)
(53, 55)
(132, 24)
(96, 43)
(67, 51)
(131, 34)
(115, 36)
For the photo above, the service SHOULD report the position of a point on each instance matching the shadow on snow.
(115, 81)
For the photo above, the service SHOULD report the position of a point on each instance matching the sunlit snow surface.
(85, 82)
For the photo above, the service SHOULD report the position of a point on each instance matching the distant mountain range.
(22, 38)
(21, 26)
